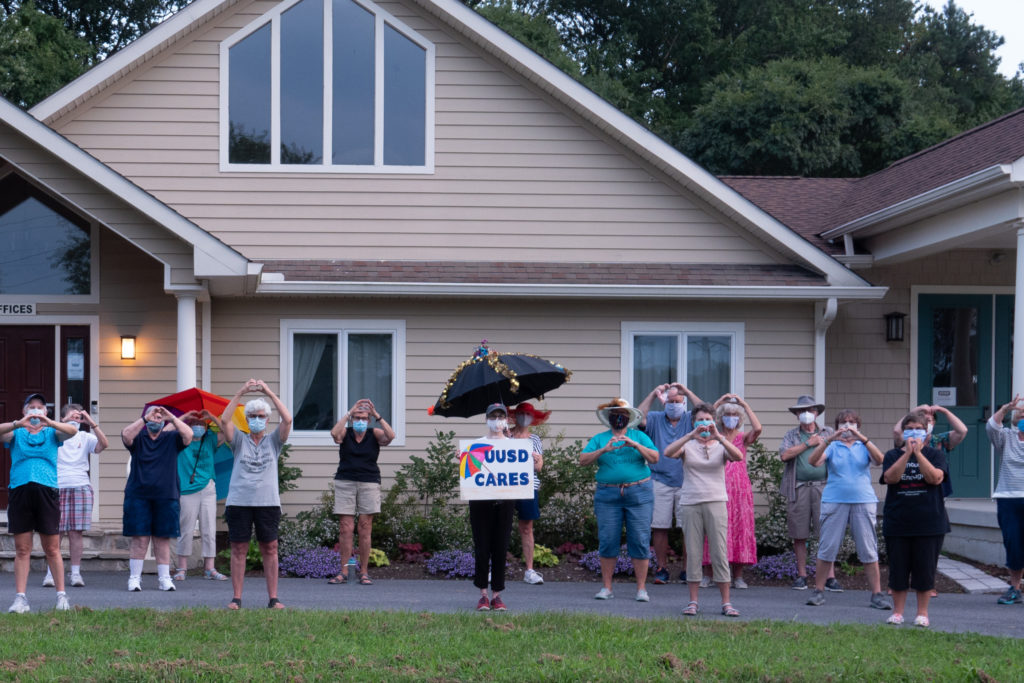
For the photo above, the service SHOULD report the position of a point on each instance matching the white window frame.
(273, 17)
(343, 327)
(681, 330)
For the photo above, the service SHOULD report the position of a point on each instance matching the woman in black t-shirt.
(915, 520)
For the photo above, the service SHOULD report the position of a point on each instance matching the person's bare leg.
(874, 577)
(607, 570)
(75, 548)
(659, 539)
(823, 569)
(640, 568)
(723, 588)
(923, 598)
(162, 550)
(526, 537)
(137, 547)
(899, 601)
(270, 569)
(208, 563)
(365, 541)
(1015, 577)
(51, 547)
(346, 524)
(800, 550)
(22, 558)
(238, 553)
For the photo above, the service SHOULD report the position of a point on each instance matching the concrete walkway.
(970, 578)
(965, 612)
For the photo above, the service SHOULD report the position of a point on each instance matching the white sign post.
(495, 469)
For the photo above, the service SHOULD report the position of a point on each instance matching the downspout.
(824, 313)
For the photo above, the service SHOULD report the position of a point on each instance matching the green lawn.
(308, 646)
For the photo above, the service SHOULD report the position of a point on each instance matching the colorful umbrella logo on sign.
(471, 460)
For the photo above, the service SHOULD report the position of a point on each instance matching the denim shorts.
(634, 506)
(159, 517)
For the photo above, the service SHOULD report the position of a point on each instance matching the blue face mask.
(257, 424)
(198, 431)
(731, 421)
(154, 427)
(674, 411)
(360, 425)
(919, 434)
(1020, 425)
(703, 433)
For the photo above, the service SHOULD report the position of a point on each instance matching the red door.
(26, 366)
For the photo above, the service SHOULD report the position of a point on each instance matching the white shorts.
(666, 500)
(356, 497)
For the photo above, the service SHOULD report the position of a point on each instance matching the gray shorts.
(356, 497)
(803, 515)
(666, 500)
(861, 518)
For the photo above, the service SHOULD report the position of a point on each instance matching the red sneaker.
(497, 605)
(483, 605)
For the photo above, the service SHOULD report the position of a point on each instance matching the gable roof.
(544, 76)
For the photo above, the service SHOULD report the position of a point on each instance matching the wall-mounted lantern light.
(894, 326)
(127, 347)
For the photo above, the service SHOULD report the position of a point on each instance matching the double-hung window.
(706, 357)
(327, 365)
(330, 86)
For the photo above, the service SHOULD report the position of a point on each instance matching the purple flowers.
(314, 563)
(782, 566)
(623, 563)
(452, 563)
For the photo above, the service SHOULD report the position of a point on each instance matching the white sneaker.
(533, 576)
(706, 582)
(166, 583)
(62, 603)
(603, 594)
(48, 580)
(76, 580)
(134, 583)
(739, 583)
(642, 596)
(20, 605)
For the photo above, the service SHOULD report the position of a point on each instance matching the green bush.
(566, 497)
(313, 528)
(378, 558)
(544, 557)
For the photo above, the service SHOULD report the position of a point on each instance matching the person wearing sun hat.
(521, 418)
(624, 492)
(803, 484)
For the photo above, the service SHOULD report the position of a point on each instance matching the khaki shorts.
(356, 497)
(803, 516)
(666, 500)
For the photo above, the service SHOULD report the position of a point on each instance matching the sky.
(1005, 17)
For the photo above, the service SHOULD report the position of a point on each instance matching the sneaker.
(533, 577)
(800, 583)
(134, 584)
(604, 594)
(497, 605)
(832, 585)
(706, 582)
(642, 596)
(682, 576)
(1010, 597)
(661, 577)
(62, 603)
(484, 605)
(20, 604)
(77, 581)
(165, 583)
(817, 598)
(895, 619)
(881, 601)
(922, 621)
(48, 580)
(739, 583)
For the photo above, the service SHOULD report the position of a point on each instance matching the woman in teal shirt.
(624, 492)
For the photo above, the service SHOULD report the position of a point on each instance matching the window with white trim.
(327, 365)
(327, 85)
(706, 357)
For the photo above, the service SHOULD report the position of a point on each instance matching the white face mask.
(497, 424)
(930, 428)
(807, 417)
(731, 421)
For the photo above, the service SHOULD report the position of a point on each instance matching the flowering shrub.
(452, 563)
(573, 550)
(781, 566)
(412, 552)
(378, 558)
(566, 496)
(311, 528)
(543, 557)
(314, 563)
(623, 563)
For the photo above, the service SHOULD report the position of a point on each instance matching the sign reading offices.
(495, 469)
(17, 309)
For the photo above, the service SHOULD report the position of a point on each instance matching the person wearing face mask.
(1008, 443)
(624, 492)
(848, 498)
(523, 417)
(357, 481)
(197, 480)
(664, 427)
(915, 520)
(253, 496)
(491, 523)
(802, 484)
(151, 508)
(705, 452)
(944, 441)
(76, 494)
(34, 500)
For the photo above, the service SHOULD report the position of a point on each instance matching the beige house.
(343, 198)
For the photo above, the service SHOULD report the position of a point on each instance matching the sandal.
(364, 580)
(337, 580)
(214, 575)
(235, 604)
(179, 574)
(691, 609)
(274, 603)
(729, 611)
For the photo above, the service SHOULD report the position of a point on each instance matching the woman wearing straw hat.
(624, 491)
(522, 417)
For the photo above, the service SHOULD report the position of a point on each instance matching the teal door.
(955, 362)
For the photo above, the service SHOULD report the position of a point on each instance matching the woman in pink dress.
(742, 542)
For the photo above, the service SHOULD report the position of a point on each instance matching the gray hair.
(728, 409)
(256, 405)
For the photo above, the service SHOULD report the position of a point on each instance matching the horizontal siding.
(509, 163)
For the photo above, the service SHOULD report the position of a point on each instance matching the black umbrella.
(491, 377)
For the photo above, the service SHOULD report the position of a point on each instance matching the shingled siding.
(871, 375)
(246, 334)
(513, 171)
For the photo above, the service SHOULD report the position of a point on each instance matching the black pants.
(491, 521)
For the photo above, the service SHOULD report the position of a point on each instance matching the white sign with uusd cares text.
(495, 469)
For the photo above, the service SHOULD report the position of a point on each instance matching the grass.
(388, 646)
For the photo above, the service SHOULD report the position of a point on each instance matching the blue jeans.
(1010, 513)
(633, 505)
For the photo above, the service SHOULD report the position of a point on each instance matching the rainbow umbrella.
(470, 460)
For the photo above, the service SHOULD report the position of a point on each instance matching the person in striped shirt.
(1009, 494)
